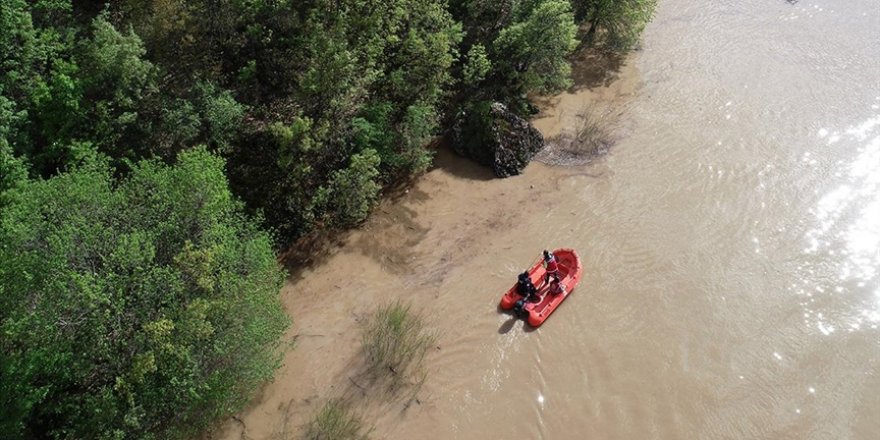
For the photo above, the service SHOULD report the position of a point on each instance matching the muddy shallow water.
(731, 243)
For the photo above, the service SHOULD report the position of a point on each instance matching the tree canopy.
(532, 51)
(140, 308)
(620, 21)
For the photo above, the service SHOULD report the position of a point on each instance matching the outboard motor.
(519, 309)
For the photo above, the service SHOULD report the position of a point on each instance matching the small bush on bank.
(591, 137)
(336, 421)
(395, 342)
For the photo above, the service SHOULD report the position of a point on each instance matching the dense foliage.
(142, 308)
(619, 21)
(138, 295)
(295, 94)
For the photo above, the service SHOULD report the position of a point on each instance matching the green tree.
(352, 191)
(56, 110)
(532, 52)
(221, 115)
(13, 171)
(620, 21)
(422, 45)
(38, 80)
(140, 308)
(118, 81)
(477, 66)
(207, 115)
(483, 19)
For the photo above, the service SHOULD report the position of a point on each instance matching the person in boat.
(551, 266)
(525, 287)
(556, 286)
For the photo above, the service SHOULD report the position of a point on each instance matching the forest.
(156, 155)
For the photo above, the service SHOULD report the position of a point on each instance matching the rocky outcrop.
(494, 136)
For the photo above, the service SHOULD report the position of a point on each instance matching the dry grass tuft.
(336, 421)
(395, 342)
(589, 138)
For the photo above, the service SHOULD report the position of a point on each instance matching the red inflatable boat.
(538, 309)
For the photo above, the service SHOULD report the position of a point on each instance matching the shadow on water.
(507, 326)
(450, 162)
(394, 222)
(392, 233)
(311, 251)
(392, 219)
(591, 68)
(594, 68)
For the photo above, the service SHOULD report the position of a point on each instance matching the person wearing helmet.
(551, 266)
(525, 287)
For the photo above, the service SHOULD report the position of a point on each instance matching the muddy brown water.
(730, 241)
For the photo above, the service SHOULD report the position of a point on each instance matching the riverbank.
(422, 246)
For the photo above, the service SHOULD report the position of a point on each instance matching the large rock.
(494, 136)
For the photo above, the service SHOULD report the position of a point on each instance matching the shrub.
(591, 138)
(13, 170)
(352, 191)
(395, 343)
(336, 421)
(143, 308)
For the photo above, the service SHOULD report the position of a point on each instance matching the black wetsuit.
(526, 289)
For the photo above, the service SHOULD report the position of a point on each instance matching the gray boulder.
(494, 136)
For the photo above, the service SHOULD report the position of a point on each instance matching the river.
(731, 242)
